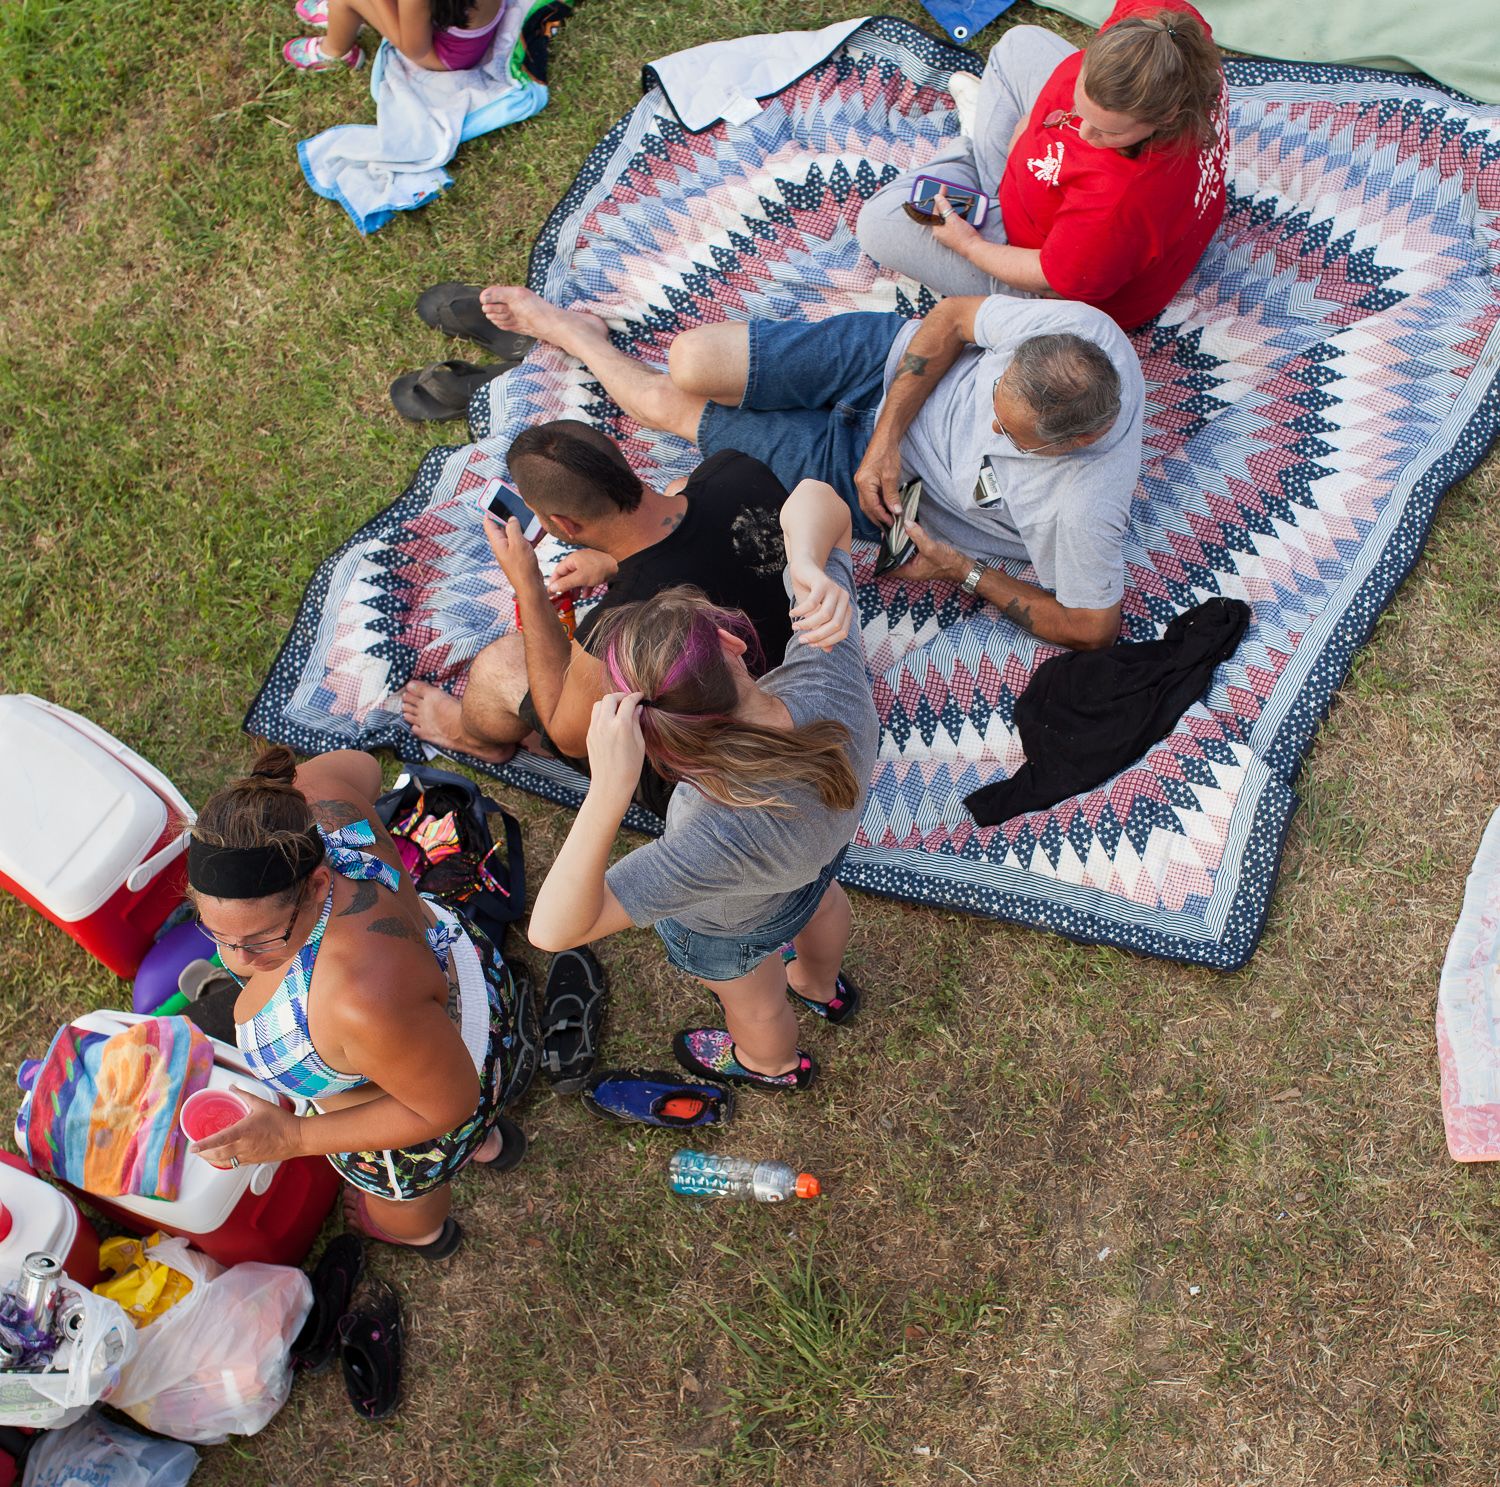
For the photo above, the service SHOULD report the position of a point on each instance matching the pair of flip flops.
(443, 390)
(362, 1330)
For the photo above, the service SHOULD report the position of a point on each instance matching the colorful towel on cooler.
(104, 1108)
(1468, 1013)
(1323, 378)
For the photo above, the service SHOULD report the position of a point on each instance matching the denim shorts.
(811, 400)
(715, 958)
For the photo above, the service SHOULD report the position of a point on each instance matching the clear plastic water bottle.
(696, 1173)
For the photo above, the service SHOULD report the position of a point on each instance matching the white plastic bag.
(219, 1362)
(81, 1372)
(96, 1452)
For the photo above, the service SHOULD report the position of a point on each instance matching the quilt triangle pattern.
(1325, 375)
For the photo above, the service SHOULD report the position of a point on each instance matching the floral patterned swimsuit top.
(276, 1042)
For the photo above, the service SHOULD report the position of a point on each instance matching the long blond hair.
(1161, 69)
(669, 647)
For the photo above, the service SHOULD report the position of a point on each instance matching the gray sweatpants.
(1020, 64)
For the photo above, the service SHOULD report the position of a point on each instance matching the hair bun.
(276, 765)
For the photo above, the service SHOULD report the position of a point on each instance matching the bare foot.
(438, 719)
(520, 309)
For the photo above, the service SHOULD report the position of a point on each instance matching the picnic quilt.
(1322, 379)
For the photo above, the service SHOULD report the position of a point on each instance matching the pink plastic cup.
(210, 1111)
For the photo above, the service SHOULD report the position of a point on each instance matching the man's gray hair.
(1069, 383)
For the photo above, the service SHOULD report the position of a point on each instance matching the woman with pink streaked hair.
(771, 775)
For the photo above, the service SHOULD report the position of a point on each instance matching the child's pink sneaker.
(305, 54)
(313, 12)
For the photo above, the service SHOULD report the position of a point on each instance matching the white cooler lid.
(41, 1218)
(76, 819)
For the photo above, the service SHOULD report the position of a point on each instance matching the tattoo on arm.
(916, 365)
(1019, 614)
(365, 895)
(396, 928)
(335, 813)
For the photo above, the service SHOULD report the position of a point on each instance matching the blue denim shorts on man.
(810, 401)
(715, 958)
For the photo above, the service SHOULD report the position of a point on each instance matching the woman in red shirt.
(1108, 165)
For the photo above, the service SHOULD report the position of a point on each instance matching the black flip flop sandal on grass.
(513, 1144)
(333, 1283)
(370, 1351)
(455, 310)
(442, 391)
(450, 1236)
(572, 1017)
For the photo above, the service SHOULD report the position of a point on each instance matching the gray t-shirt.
(726, 872)
(1068, 514)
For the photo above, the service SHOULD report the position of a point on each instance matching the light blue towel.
(396, 164)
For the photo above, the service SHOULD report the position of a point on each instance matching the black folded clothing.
(1086, 715)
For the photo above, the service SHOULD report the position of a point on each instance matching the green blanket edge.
(1454, 43)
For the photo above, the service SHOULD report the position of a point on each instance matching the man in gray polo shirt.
(1021, 417)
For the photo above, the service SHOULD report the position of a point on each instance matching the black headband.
(251, 872)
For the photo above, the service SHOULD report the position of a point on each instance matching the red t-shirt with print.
(1119, 234)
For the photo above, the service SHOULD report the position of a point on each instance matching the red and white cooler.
(269, 1211)
(92, 836)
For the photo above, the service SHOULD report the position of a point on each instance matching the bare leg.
(417, 1221)
(712, 361)
(646, 395)
(486, 722)
(759, 1018)
(345, 17)
(820, 947)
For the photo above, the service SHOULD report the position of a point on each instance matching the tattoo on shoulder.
(335, 812)
(1019, 614)
(395, 928)
(365, 896)
(916, 365)
(673, 522)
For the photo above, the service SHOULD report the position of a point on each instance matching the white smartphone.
(501, 500)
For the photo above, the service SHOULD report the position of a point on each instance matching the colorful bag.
(103, 1109)
(439, 823)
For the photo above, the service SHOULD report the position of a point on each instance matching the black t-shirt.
(729, 544)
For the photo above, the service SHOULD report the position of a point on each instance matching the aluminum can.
(37, 1286)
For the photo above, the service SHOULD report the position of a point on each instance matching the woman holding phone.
(773, 776)
(1108, 166)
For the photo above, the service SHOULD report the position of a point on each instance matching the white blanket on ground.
(395, 164)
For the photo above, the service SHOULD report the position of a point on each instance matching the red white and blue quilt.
(1327, 373)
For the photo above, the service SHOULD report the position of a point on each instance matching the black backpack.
(490, 886)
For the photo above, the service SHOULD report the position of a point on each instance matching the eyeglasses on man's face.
(1009, 437)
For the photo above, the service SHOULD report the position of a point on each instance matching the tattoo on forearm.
(1019, 614)
(916, 365)
(365, 895)
(335, 812)
(395, 928)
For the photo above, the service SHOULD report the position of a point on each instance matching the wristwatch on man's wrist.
(971, 579)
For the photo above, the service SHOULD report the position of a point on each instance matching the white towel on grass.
(396, 164)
